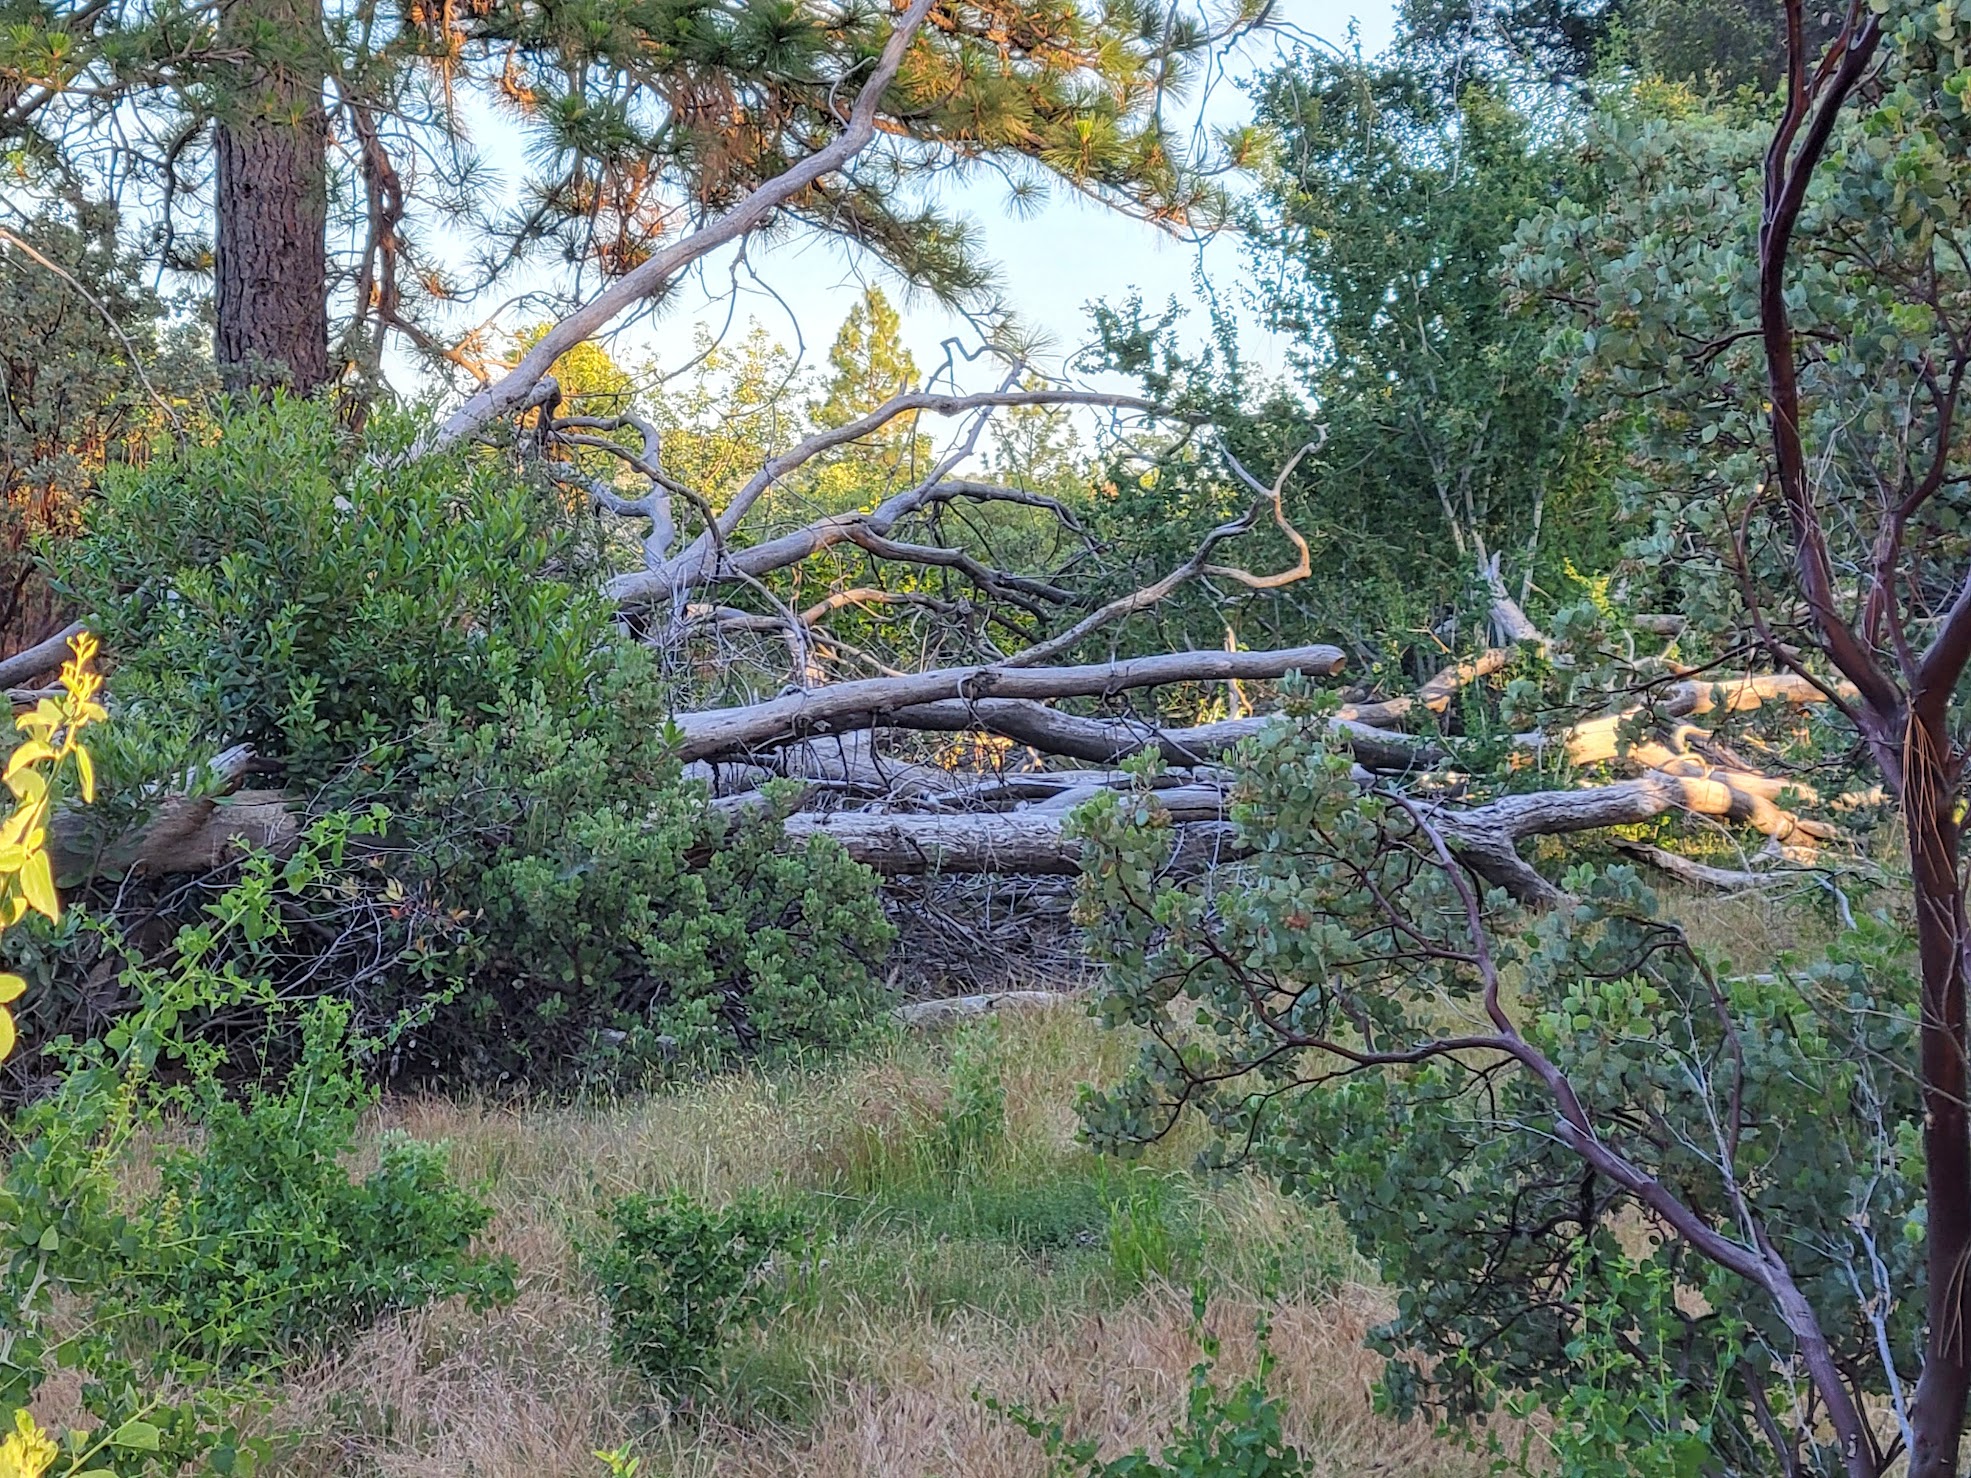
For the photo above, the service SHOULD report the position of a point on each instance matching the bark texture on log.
(863, 704)
(188, 834)
(1008, 841)
(1485, 838)
(1106, 741)
(43, 656)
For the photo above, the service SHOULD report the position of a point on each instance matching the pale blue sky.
(1052, 264)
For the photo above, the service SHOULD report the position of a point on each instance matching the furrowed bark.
(270, 182)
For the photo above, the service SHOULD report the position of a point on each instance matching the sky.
(1052, 264)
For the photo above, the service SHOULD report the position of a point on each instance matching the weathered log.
(44, 656)
(863, 703)
(1028, 841)
(1107, 741)
(1434, 696)
(187, 834)
(1703, 874)
(1485, 838)
(1743, 694)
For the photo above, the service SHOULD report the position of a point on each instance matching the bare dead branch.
(508, 393)
(1199, 564)
(862, 703)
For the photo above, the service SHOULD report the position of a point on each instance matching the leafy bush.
(258, 1242)
(1622, 1407)
(266, 583)
(250, 1243)
(617, 919)
(424, 633)
(1332, 1010)
(680, 1277)
(1225, 1434)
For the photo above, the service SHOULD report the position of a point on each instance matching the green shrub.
(427, 633)
(1623, 1407)
(246, 1239)
(616, 919)
(258, 1242)
(267, 582)
(680, 1277)
(1311, 1007)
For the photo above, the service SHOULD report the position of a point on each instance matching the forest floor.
(962, 1254)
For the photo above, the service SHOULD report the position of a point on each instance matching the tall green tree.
(86, 364)
(1383, 222)
(289, 118)
(868, 364)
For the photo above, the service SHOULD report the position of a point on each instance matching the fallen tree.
(717, 578)
(1485, 838)
(904, 817)
(862, 704)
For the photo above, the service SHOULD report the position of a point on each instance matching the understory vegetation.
(945, 1255)
(593, 887)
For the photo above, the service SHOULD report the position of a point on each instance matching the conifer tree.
(868, 363)
(297, 124)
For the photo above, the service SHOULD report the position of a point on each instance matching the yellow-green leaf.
(38, 885)
(12, 988)
(31, 753)
(136, 1434)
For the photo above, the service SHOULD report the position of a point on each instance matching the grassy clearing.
(968, 1245)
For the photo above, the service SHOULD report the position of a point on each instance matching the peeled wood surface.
(718, 731)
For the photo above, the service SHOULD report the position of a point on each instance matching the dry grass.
(873, 1370)
(529, 1392)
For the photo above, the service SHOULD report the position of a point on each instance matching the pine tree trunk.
(271, 268)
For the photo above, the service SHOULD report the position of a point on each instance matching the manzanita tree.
(1774, 329)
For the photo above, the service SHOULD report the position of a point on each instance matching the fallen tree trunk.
(188, 833)
(996, 841)
(44, 656)
(1485, 838)
(864, 703)
(1108, 741)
